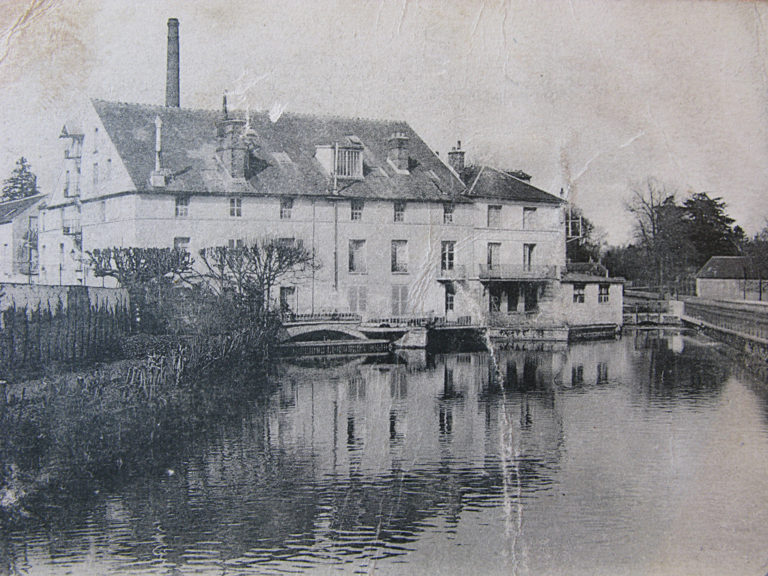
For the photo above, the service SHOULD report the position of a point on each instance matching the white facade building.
(395, 230)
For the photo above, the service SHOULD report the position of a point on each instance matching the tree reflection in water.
(354, 462)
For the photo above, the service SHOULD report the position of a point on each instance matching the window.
(604, 293)
(349, 163)
(108, 171)
(399, 212)
(182, 206)
(181, 243)
(286, 206)
(400, 256)
(494, 251)
(529, 215)
(67, 183)
(450, 297)
(446, 255)
(236, 207)
(103, 211)
(602, 372)
(578, 293)
(494, 216)
(577, 375)
(447, 213)
(287, 299)
(357, 259)
(95, 140)
(232, 244)
(399, 300)
(95, 174)
(528, 255)
(513, 295)
(356, 209)
(494, 299)
(358, 298)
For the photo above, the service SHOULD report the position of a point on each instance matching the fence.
(33, 337)
(749, 321)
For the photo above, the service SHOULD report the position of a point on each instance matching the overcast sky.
(589, 96)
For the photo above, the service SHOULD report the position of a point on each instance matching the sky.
(594, 97)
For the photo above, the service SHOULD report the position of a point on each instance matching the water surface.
(646, 455)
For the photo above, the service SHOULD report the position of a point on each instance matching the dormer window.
(349, 163)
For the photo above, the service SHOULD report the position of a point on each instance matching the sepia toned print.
(394, 288)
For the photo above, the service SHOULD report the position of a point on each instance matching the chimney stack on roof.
(397, 155)
(172, 72)
(160, 176)
(456, 158)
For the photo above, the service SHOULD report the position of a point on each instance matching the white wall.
(591, 311)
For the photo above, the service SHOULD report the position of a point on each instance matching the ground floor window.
(602, 372)
(531, 297)
(512, 297)
(577, 375)
(399, 300)
(450, 297)
(578, 293)
(358, 298)
(604, 293)
(287, 299)
(494, 299)
(498, 294)
(181, 243)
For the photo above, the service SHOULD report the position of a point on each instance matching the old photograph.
(383, 287)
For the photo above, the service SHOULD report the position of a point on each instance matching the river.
(644, 455)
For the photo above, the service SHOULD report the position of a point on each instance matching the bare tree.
(251, 273)
(146, 273)
(651, 205)
(135, 266)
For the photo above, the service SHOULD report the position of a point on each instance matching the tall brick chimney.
(397, 154)
(456, 158)
(172, 73)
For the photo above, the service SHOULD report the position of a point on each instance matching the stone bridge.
(325, 330)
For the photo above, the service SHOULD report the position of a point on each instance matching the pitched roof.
(578, 277)
(285, 150)
(493, 183)
(10, 210)
(727, 268)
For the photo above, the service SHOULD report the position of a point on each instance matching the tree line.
(673, 239)
(233, 287)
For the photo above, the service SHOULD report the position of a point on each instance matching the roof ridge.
(297, 113)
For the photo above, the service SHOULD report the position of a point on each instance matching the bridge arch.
(321, 331)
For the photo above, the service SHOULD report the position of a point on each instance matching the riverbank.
(85, 430)
(88, 426)
(742, 326)
(347, 466)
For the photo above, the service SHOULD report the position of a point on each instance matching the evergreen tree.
(709, 228)
(21, 184)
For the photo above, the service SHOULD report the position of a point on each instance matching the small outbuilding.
(730, 278)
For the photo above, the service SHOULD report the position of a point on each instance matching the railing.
(750, 321)
(419, 321)
(458, 272)
(502, 319)
(515, 272)
(290, 318)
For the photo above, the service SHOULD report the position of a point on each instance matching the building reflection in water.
(366, 454)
